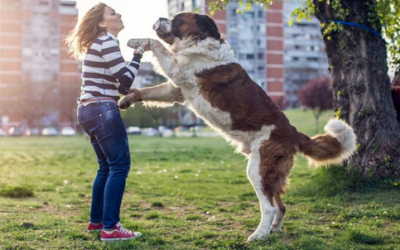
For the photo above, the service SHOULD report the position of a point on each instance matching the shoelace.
(125, 231)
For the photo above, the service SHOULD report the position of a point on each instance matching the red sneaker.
(119, 233)
(94, 228)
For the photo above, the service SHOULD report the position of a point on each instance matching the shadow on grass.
(337, 181)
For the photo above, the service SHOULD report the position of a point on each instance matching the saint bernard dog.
(204, 74)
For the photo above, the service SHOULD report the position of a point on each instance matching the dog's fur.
(203, 73)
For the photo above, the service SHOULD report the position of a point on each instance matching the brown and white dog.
(204, 73)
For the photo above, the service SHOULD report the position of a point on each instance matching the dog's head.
(186, 25)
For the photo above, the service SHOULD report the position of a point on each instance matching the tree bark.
(361, 89)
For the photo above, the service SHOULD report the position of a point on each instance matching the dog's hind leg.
(268, 170)
(279, 215)
(267, 210)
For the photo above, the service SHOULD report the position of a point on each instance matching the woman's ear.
(103, 25)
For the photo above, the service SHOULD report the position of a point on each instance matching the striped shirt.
(105, 72)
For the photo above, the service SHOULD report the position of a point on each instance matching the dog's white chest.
(202, 108)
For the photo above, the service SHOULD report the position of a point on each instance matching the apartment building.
(34, 64)
(255, 36)
(304, 52)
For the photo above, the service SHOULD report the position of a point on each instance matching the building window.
(312, 59)
(233, 41)
(295, 59)
(182, 6)
(250, 56)
(250, 14)
(260, 56)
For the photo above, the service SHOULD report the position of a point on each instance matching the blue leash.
(361, 26)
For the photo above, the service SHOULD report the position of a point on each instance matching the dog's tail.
(337, 145)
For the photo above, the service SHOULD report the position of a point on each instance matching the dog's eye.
(179, 22)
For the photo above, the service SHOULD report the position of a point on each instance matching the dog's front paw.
(136, 42)
(124, 102)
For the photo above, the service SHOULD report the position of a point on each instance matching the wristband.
(138, 50)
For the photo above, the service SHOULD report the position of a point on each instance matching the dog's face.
(185, 25)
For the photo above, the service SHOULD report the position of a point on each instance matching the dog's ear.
(207, 27)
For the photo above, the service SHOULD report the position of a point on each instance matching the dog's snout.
(158, 23)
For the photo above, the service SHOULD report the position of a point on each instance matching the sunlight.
(138, 17)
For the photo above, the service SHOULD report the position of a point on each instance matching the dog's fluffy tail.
(337, 145)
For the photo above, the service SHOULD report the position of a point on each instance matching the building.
(304, 54)
(34, 64)
(255, 36)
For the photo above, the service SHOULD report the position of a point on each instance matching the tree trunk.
(317, 123)
(361, 89)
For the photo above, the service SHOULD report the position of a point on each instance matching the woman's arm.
(124, 74)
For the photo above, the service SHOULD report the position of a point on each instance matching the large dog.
(204, 73)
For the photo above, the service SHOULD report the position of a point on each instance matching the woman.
(105, 75)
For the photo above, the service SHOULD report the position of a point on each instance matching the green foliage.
(157, 204)
(338, 113)
(244, 5)
(17, 192)
(152, 215)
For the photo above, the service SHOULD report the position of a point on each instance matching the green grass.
(184, 193)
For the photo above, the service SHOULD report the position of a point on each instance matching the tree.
(317, 95)
(352, 32)
(281, 101)
(67, 102)
(35, 102)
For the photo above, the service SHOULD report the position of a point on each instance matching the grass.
(184, 193)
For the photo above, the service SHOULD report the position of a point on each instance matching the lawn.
(184, 193)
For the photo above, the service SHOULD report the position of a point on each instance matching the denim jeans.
(103, 123)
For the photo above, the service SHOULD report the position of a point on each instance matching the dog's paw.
(256, 236)
(125, 102)
(276, 228)
(136, 42)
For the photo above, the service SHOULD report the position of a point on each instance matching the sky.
(138, 17)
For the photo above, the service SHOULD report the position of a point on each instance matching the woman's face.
(112, 21)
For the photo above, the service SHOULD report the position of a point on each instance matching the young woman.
(105, 75)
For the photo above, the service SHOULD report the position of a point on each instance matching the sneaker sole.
(117, 239)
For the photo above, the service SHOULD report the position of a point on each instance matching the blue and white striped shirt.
(105, 72)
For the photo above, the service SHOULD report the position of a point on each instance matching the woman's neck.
(113, 32)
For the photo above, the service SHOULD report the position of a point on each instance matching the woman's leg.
(96, 211)
(116, 149)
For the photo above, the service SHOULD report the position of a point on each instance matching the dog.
(204, 74)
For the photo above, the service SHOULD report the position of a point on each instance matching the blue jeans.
(103, 123)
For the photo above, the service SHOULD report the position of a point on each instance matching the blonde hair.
(85, 32)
